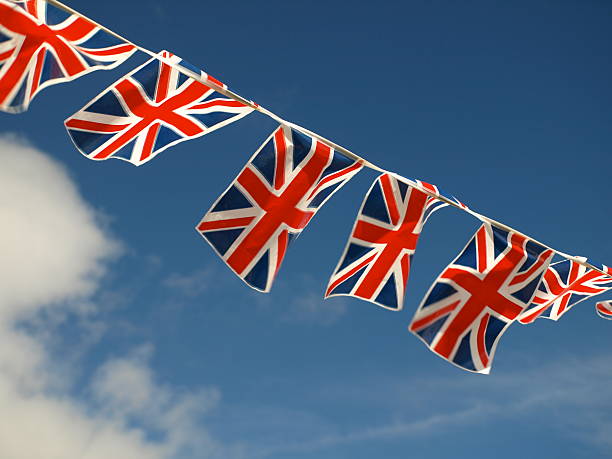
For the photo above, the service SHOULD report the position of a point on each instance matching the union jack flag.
(604, 309)
(564, 285)
(377, 257)
(479, 295)
(41, 45)
(271, 202)
(152, 108)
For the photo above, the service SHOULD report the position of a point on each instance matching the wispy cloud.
(125, 390)
(425, 409)
(308, 307)
(383, 432)
(300, 301)
(296, 301)
(191, 284)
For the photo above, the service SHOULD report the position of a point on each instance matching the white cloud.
(126, 390)
(37, 425)
(54, 251)
(51, 244)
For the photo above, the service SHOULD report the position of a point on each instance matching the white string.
(328, 142)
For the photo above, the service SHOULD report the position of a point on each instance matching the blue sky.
(123, 334)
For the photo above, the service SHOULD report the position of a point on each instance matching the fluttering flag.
(42, 45)
(479, 295)
(152, 108)
(564, 285)
(271, 201)
(604, 309)
(376, 261)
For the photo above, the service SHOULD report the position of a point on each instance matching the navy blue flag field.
(149, 110)
(271, 201)
(41, 45)
(376, 261)
(476, 298)
(564, 285)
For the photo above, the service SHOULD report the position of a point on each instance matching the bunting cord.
(329, 143)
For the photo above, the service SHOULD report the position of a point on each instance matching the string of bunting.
(502, 276)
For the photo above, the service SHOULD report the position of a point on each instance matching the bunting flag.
(41, 45)
(150, 109)
(271, 201)
(475, 299)
(604, 309)
(376, 261)
(437, 191)
(564, 285)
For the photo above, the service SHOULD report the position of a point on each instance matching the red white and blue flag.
(604, 309)
(150, 109)
(477, 297)
(42, 45)
(376, 261)
(564, 285)
(271, 201)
